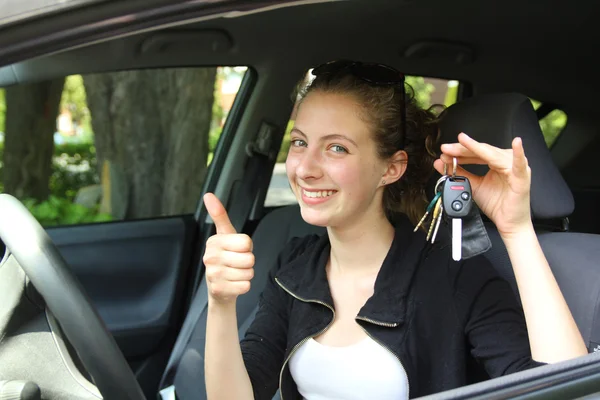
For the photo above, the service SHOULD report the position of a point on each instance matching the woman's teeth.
(322, 193)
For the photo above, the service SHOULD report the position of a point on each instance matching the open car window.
(552, 121)
(113, 146)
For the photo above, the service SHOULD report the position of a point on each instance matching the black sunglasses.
(377, 74)
(372, 73)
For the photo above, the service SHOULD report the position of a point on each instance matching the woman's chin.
(313, 217)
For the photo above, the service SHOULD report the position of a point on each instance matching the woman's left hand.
(503, 193)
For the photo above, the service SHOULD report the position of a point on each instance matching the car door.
(120, 198)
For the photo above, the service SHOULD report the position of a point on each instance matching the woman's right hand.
(228, 257)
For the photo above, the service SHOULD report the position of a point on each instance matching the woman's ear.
(396, 167)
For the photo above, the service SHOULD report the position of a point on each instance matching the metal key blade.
(456, 239)
(437, 224)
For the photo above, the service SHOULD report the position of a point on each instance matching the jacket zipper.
(296, 347)
(387, 325)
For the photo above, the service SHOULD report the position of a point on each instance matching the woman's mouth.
(316, 196)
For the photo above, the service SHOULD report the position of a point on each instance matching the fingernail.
(467, 136)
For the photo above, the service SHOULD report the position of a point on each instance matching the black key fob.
(457, 197)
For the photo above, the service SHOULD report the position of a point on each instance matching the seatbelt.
(259, 161)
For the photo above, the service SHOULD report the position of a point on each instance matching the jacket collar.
(305, 277)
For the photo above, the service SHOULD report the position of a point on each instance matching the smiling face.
(332, 164)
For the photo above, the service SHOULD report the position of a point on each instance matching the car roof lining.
(313, 33)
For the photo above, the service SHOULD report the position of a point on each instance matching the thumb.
(218, 214)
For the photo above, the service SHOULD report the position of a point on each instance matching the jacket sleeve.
(264, 344)
(493, 319)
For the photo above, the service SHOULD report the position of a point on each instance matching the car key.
(456, 202)
(436, 206)
(439, 189)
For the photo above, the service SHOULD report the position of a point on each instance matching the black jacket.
(446, 321)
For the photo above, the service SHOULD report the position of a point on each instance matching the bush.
(74, 167)
(60, 211)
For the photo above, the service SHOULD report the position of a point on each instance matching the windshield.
(17, 10)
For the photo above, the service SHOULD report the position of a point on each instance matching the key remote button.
(457, 205)
(465, 196)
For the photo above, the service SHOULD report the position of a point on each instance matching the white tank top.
(364, 370)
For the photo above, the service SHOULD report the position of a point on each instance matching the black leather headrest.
(497, 119)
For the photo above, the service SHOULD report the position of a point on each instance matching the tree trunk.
(31, 112)
(153, 126)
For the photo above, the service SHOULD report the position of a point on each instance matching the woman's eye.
(298, 143)
(338, 149)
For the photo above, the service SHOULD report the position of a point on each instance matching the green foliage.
(74, 167)
(2, 111)
(285, 145)
(60, 211)
(422, 90)
(451, 94)
(213, 137)
(218, 114)
(552, 124)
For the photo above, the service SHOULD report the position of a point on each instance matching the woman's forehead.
(330, 113)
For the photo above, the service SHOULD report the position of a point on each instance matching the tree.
(30, 123)
(151, 126)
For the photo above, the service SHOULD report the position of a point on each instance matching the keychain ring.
(454, 166)
(441, 180)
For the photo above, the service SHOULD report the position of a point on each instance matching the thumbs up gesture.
(228, 257)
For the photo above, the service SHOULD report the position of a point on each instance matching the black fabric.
(433, 313)
(497, 119)
(575, 262)
(498, 257)
(271, 235)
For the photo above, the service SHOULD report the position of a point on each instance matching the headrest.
(497, 119)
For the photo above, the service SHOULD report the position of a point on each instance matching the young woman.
(371, 310)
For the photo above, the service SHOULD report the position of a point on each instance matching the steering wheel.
(39, 257)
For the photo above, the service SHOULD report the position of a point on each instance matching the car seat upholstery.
(495, 119)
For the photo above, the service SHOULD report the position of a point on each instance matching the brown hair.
(383, 109)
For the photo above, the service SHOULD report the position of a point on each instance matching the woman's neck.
(361, 247)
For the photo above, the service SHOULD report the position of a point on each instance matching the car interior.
(140, 281)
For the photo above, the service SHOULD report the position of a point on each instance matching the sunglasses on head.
(377, 74)
(372, 73)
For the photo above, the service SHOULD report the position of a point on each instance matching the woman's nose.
(309, 166)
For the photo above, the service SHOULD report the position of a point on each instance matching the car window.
(428, 92)
(552, 124)
(113, 146)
